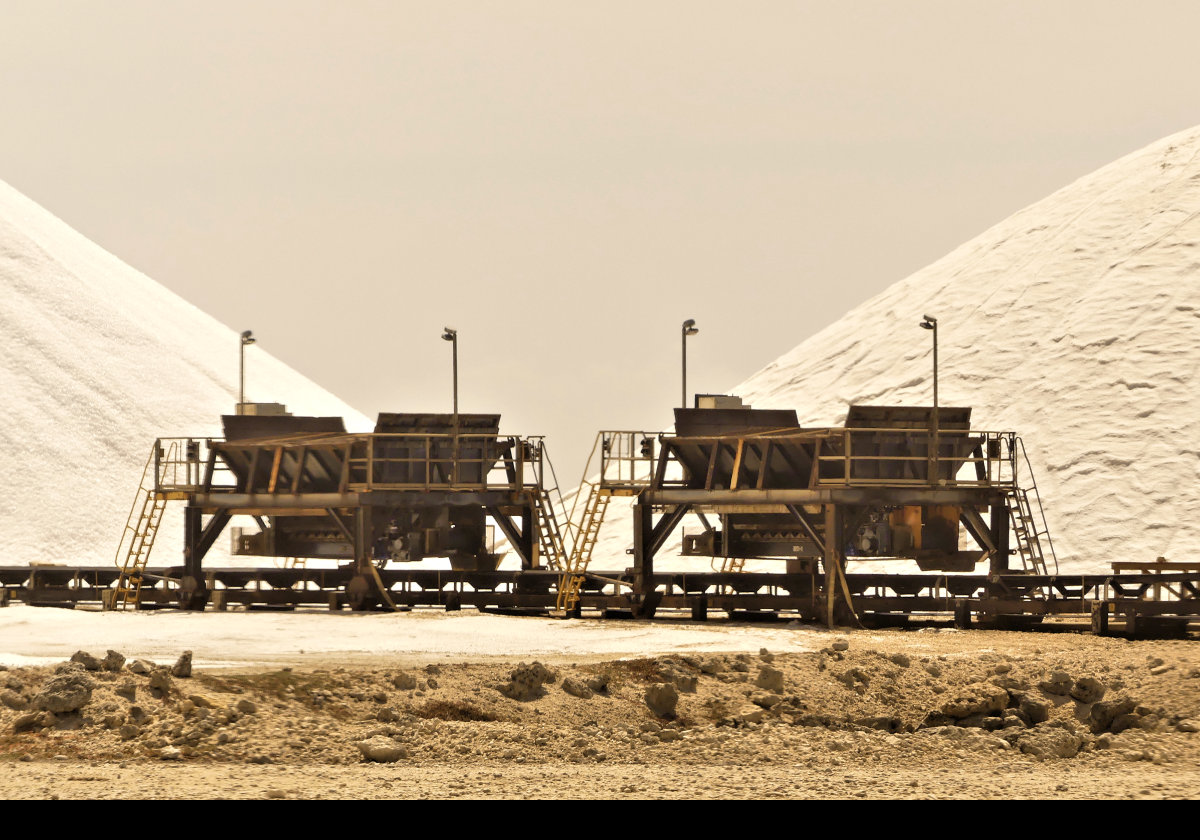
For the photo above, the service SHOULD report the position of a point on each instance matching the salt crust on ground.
(36, 635)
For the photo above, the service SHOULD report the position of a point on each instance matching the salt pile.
(1076, 323)
(97, 360)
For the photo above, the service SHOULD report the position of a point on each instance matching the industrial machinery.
(832, 520)
(767, 450)
(889, 484)
(420, 485)
(901, 512)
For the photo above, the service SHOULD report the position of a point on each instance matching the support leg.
(962, 614)
(644, 598)
(529, 539)
(193, 594)
(833, 559)
(1000, 534)
(361, 592)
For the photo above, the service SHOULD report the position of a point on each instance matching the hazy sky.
(564, 183)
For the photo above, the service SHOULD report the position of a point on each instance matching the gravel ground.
(871, 714)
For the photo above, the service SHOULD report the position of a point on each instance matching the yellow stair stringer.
(730, 565)
(137, 540)
(571, 582)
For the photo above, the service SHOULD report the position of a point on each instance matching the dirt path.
(1012, 780)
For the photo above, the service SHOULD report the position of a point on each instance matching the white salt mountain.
(1076, 323)
(96, 361)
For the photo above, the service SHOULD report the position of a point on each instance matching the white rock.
(381, 749)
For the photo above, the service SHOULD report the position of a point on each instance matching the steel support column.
(1000, 532)
(362, 592)
(362, 540)
(529, 541)
(643, 560)
(833, 558)
(191, 540)
(193, 594)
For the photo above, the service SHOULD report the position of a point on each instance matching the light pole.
(247, 338)
(689, 328)
(930, 323)
(452, 336)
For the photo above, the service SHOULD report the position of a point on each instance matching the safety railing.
(180, 464)
(443, 462)
(916, 457)
(628, 458)
(1033, 498)
(371, 462)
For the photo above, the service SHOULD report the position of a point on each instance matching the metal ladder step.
(137, 540)
(1028, 546)
(571, 582)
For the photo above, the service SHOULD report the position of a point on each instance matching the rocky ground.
(931, 713)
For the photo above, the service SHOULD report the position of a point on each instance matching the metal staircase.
(550, 536)
(1029, 529)
(1028, 546)
(626, 467)
(551, 541)
(733, 564)
(586, 536)
(141, 527)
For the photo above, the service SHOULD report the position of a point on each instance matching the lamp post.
(689, 328)
(451, 335)
(247, 338)
(930, 323)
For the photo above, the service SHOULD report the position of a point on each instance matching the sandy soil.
(930, 713)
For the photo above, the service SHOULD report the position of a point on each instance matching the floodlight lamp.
(929, 323)
(449, 334)
(247, 337)
(689, 327)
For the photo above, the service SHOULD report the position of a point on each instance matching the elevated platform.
(421, 485)
(916, 483)
(895, 482)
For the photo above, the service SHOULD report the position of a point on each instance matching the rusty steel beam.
(827, 495)
(277, 501)
(280, 502)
